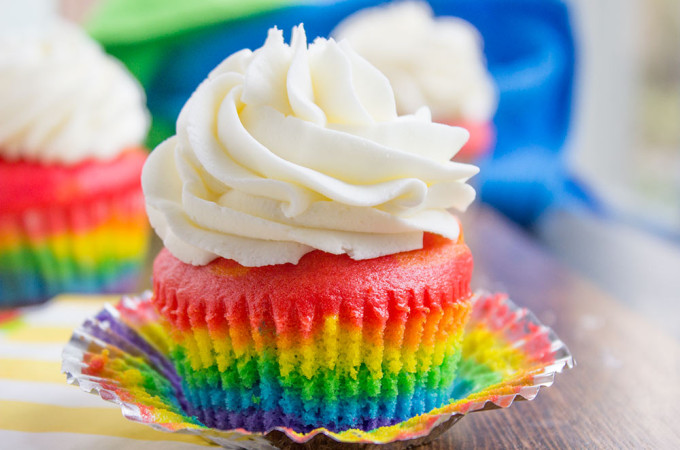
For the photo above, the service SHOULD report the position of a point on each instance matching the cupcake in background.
(72, 120)
(430, 61)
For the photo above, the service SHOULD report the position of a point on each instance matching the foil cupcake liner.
(120, 355)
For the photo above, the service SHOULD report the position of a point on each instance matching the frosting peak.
(433, 61)
(292, 148)
(64, 99)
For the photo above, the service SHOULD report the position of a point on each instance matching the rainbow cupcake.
(72, 212)
(312, 276)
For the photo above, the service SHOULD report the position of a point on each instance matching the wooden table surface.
(624, 391)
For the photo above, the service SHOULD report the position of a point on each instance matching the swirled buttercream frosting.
(292, 148)
(63, 99)
(433, 61)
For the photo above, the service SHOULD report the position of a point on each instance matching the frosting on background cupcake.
(430, 61)
(72, 121)
(294, 148)
(63, 99)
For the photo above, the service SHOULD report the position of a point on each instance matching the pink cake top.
(26, 184)
(323, 282)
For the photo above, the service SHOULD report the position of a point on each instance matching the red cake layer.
(26, 184)
(482, 137)
(320, 285)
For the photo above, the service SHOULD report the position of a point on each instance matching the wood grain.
(625, 390)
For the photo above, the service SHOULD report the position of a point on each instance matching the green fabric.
(119, 22)
(142, 59)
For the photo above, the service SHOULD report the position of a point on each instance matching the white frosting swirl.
(294, 148)
(430, 61)
(63, 99)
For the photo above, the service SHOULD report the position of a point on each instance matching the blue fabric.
(530, 53)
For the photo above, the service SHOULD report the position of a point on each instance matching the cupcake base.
(121, 355)
(329, 342)
(60, 233)
(252, 394)
(96, 246)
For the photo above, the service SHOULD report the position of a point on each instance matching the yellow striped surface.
(26, 381)
(24, 416)
(42, 334)
(29, 370)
